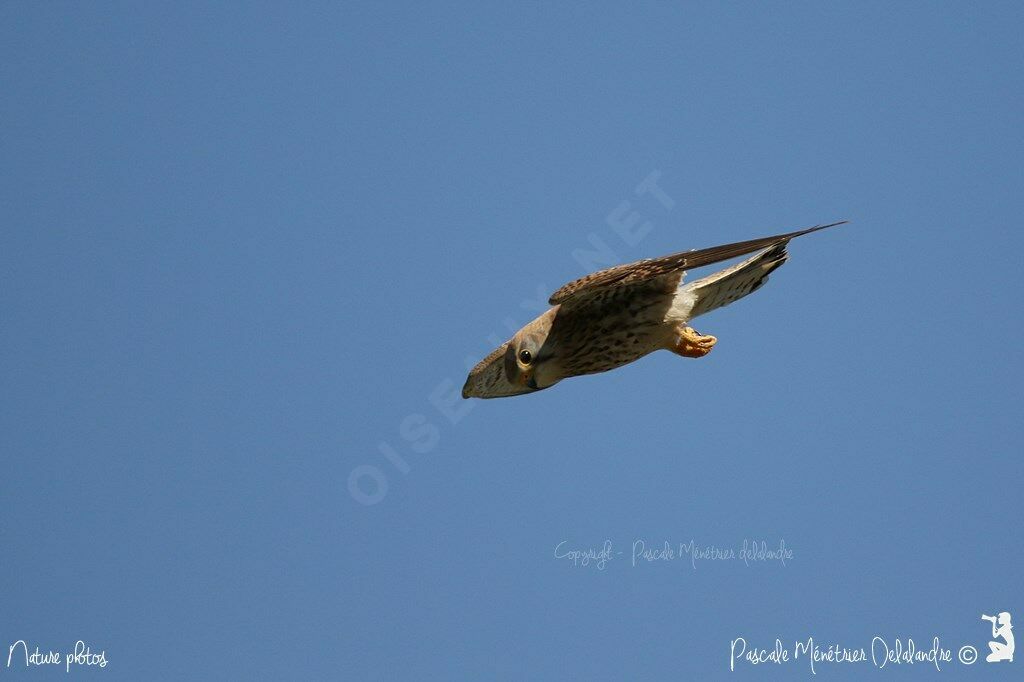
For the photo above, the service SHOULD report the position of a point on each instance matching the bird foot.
(692, 344)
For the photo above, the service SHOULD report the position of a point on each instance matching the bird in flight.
(615, 316)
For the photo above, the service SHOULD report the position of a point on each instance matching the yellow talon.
(692, 344)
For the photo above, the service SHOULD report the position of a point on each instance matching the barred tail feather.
(725, 286)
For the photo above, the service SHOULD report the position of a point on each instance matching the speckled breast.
(614, 329)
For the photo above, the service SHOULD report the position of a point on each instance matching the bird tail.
(725, 286)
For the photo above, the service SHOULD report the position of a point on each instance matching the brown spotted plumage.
(613, 317)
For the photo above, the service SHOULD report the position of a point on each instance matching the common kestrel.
(613, 317)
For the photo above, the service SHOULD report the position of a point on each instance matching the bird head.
(524, 364)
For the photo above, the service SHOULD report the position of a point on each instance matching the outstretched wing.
(646, 270)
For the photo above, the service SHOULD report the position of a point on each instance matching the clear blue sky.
(243, 246)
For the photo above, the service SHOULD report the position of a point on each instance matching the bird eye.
(525, 356)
